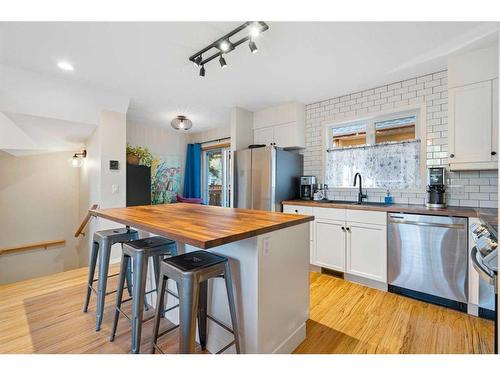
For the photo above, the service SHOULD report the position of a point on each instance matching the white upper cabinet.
(264, 136)
(473, 110)
(472, 67)
(282, 126)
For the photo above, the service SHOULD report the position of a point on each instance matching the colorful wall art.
(166, 178)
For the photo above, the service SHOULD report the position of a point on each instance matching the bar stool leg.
(188, 294)
(202, 314)
(129, 277)
(104, 254)
(160, 303)
(140, 267)
(124, 267)
(92, 265)
(232, 305)
(157, 271)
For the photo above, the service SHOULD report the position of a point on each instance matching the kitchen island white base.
(271, 285)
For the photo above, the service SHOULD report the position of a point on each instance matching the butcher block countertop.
(399, 208)
(198, 225)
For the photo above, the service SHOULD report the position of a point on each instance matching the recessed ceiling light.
(64, 65)
(224, 45)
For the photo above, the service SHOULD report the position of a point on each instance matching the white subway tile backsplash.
(468, 188)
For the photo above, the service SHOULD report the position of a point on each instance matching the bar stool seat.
(139, 251)
(191, 272)
(103, 240)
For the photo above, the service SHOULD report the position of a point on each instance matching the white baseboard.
(292, 341)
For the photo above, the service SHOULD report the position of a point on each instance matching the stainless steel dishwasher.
(427, 258)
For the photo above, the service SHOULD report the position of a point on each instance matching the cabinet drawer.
(301, 210)
(329, 213)
(369, 217)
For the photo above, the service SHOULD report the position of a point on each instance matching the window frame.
(419, 111)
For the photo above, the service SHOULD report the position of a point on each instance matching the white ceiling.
(297, 61)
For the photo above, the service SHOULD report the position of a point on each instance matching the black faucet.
(361, 196)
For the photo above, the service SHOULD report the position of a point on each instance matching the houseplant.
(139, 155)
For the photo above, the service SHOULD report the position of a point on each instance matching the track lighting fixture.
(222, 62)
(227, 43)
(252, 46)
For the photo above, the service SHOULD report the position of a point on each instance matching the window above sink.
(388, 149)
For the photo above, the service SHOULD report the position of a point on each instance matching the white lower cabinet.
(330, 244)
(367, 251)
(303, 210)
(349, 241)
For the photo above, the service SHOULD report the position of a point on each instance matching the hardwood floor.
(44, 315)
(350, 318)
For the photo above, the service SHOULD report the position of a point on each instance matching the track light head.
(254, 30)
(252, 46)
(224, 46)
(222, 62)
(202, 71)
(197, 61)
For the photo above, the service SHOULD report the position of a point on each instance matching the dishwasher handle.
(393, 220)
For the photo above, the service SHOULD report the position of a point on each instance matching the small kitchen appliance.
(436, 197)
(307, 187)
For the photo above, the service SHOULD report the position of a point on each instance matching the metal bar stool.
(192, 271)
(139, 251)
(103, 240)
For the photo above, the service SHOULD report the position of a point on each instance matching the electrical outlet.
(266, 243)
(114, 189)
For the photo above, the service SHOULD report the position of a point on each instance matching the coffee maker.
(307, 187)
(436, 197)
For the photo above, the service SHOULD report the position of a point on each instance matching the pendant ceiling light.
(181, 123)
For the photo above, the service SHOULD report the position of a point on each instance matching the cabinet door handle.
(343, 228)
(296, 211)
(493, 153)
(348, 229)
(452, 155)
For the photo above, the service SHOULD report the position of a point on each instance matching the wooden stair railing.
(31, 246)
(85, 221)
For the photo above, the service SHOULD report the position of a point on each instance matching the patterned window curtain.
(386, 165)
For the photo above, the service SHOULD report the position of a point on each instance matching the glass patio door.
(216, 177)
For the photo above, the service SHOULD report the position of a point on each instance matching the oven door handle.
(486, 274)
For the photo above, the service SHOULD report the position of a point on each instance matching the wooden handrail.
(31, 246)
(85, 221)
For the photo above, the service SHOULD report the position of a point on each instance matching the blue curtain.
(192, 177)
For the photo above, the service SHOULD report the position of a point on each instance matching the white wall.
(210, 134)
(108, 142)
(241, 128)
(38, 202)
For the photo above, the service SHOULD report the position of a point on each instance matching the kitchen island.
(269, 256)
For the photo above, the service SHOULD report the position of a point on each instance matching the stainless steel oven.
(427, 258)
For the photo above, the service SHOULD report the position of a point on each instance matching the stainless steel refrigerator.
(265, 176)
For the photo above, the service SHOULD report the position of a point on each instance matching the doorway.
(217, 175)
